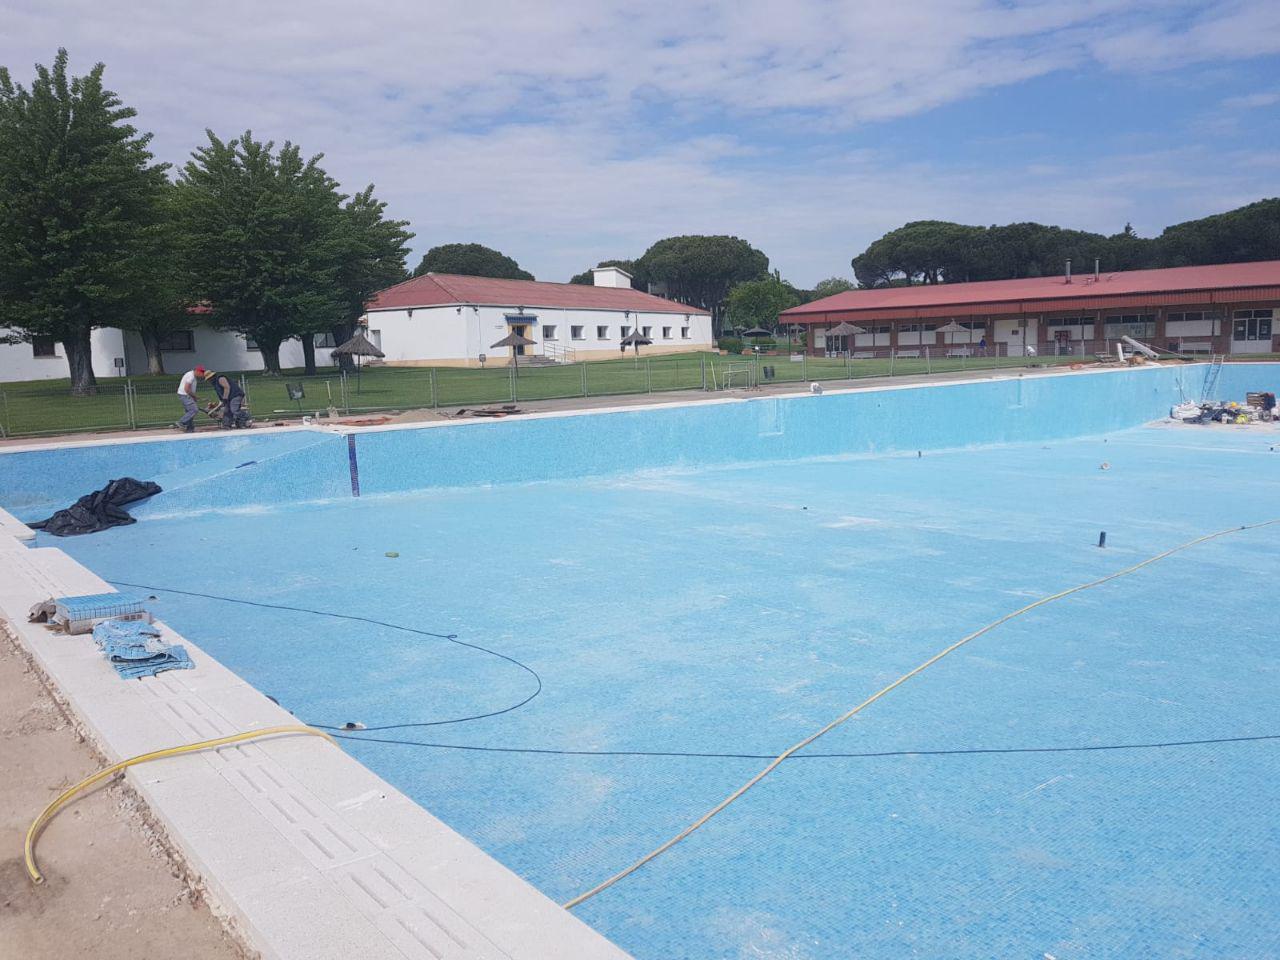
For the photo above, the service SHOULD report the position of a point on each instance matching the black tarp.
(99, 510)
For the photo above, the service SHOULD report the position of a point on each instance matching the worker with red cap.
(187, 394)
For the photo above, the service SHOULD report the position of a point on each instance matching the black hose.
(812, 756)
(547, 751)
(451, 637)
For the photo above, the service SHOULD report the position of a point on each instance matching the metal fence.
(33, 409)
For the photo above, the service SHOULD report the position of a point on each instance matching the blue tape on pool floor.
(355, 464)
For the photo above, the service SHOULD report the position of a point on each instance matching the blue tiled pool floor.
(734, 610)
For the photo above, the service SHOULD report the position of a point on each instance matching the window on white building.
(684, 333)
(1136, 325)
(178, 341)
(548, 331)
(576, 333)
(624, 331)
(666, 333)
(647, 332)
(44, 347)
(250, 343)
(324, 341)
(602, 332)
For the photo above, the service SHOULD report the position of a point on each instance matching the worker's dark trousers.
(233, 414)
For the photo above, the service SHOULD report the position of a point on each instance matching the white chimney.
(610, 277)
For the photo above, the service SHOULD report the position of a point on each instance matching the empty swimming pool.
(619, 617)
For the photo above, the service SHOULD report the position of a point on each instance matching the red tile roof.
(447, 289)
(1207, 284)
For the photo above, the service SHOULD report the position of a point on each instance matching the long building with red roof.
(447, 319)
(1224, 308)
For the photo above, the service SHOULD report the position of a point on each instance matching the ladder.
(1211, 377)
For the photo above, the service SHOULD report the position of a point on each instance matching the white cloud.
(545, 128)
(1252, 101)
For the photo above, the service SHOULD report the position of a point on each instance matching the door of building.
(1251, 331)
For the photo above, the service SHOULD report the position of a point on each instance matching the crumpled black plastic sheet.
(99, 510)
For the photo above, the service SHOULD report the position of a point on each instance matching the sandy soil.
(112, 892)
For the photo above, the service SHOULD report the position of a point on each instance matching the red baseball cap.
(199, 371)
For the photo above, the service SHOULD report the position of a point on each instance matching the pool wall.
(244, 471)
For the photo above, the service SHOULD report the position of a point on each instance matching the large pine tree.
(265, 240)
(78, 207)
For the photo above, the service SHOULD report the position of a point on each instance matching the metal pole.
(703, 359)
(583, 371)
(435, 398)
(804, 366)
(892, 355)
(511, 373)
(648, 376)
(4, 424)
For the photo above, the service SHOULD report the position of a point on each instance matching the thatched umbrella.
(513, 340)
(953, 327)
(637, 339)
(757, 332)
(844, 329)
(358, 346)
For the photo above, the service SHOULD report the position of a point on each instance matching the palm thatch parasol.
(756, 332)
(844, 329)
(637, 339)
(513, 340)
(358, 346)
(953, 327)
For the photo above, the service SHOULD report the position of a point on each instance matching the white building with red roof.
(450, 320)
(432, 320)
(1220, 308)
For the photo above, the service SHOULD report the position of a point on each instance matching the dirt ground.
(111, 891)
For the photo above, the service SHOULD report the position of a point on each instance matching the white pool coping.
(305, 852)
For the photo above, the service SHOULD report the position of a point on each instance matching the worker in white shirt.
(187, 394)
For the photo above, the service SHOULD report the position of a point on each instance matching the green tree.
(163, 300)
(266, 240)
(700, 270)
(830, 287)
(371, 257)
(78, 197)
(1245, 234)
(471, 260)
(638, 281)
(757, 303)
(935, 251)
(924, 251)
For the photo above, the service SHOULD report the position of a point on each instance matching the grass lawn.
(46, 407)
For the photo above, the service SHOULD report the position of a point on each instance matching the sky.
(568, 133)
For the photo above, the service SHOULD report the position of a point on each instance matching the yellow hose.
(33, 832)
(773, 764)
